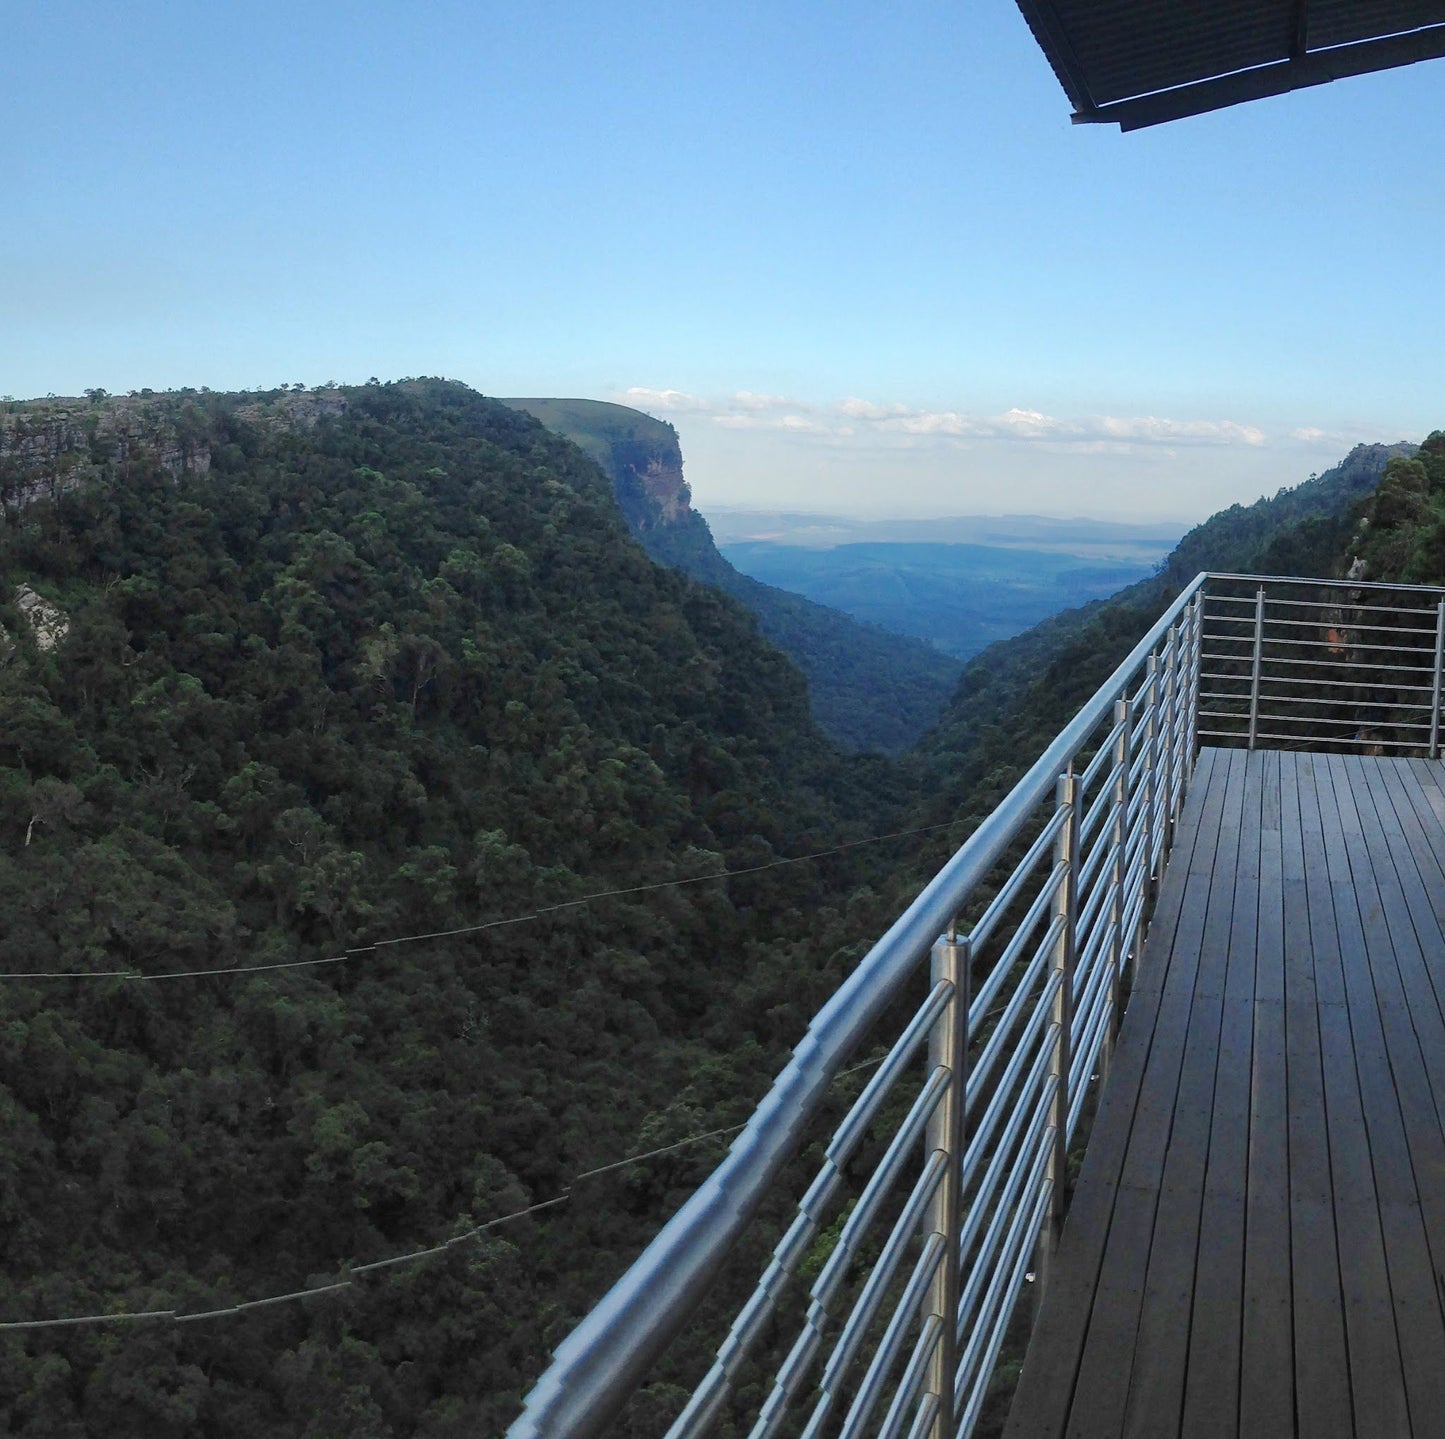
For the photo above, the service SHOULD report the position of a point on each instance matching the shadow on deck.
(1257, 1239)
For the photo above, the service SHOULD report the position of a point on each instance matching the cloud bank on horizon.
(752, 450)
(858, 420)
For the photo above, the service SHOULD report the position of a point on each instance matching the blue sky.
(874, 224)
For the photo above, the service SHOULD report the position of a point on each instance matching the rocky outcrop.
(52, 445)
(49, 446)
(47, 622)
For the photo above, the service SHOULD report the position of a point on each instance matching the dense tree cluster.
(1399, 532)
(389, 665)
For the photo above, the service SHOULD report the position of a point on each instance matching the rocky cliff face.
(51, 445)
(869, 689)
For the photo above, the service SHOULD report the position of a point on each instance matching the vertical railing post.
(1196, 652)
(1066, 915)
(1258, 661)
(947, 1049)
(1171, 739)
(1439, 667)
(1119, 845)
(1151, 763)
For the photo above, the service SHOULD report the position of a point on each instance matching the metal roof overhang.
(1142, 62)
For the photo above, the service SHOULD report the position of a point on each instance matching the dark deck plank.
(1263, 1228)
(1321, 1368)
(1052, 1363)
(1211, 1391)
(1266, 1384)
(1404, 1124)
(1114, 1323)
(1149, 1277)
(1376, 1377)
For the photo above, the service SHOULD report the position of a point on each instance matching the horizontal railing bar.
(1102, 757)
(879, 1183)
(1015, 1199)
(855, 1327)
(1100, 848)
(1351, 628)
(1022, 1177)
(1346, 739)
(914, 1373)
(1359, 722)
(995, 908)
(998, 975)
(1085, 968)
(984, 1132)
(1095, 893)
(969, 1411)
(923, 1421)
(1330, 684)
(854, 1124)
(1427, 651)
(870, 1391)
(1415, 706)
(1079, 1077)
(1348, 665)
(1134, 898)
(1015, 1142)
(1136, 770)
(1096, 1006)
(1352, 606)
(1366, 687)
(1100, 805)
(1097, 984)
(1266, 580)
(981, 1068)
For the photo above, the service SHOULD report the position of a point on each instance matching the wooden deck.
(1257, 1241)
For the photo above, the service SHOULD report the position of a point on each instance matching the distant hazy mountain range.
(1086, 539)
(959, 597)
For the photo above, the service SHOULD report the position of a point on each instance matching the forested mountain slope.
(1399, 533)
(870, 688)
(1015, 696)
(331, 669)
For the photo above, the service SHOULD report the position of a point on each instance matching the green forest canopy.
(379, 662)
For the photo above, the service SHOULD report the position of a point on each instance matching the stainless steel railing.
(1322, 664)
(941, 1190)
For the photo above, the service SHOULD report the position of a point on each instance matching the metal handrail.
(598, 1365)
(1062, 935)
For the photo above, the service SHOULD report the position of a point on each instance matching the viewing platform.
(1197, 957)
(1256, 1242)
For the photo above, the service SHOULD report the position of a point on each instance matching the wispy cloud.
(856, 420)
(671, 402)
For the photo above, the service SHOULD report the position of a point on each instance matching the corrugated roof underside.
(1113, 50)
(1127, 48)
(1343, 22)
